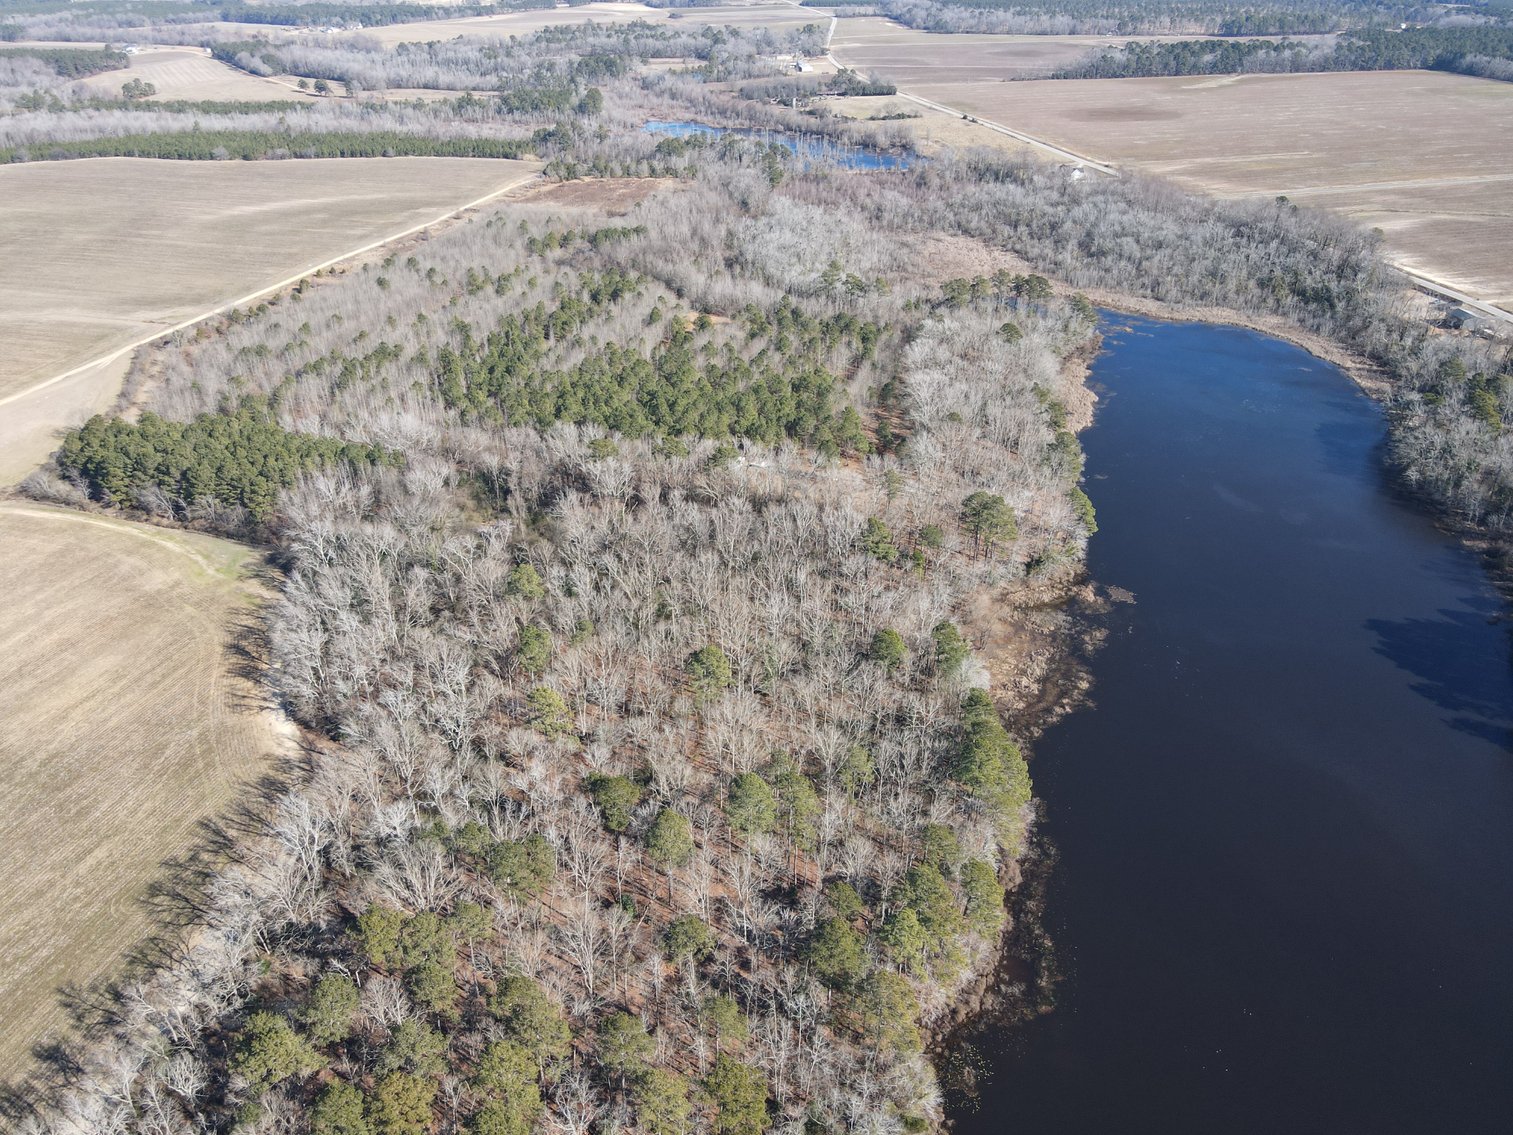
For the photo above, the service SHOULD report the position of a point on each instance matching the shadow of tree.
(1473, 688)
(177, 899)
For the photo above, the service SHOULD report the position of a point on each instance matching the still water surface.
(809, 148)
(1284, 900)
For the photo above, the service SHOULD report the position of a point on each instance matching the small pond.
(809, 148)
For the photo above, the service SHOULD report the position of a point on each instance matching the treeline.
(241, 458)
(1137, 17)
(71, 62)
(844, 83)
(256, 145)
(462, 119)
(364, 14)
(1463, 49)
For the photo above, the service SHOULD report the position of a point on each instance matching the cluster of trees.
(1476, 50)
(659, 785)
(71, 62)
(775, 386)
(242, 458)
(792, 88)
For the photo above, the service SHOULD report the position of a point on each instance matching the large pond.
(809, 148)
(1284, 897)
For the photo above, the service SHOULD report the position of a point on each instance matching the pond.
(1284, 894)
(809, 148)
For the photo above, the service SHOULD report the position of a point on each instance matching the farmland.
(189, 73)
(1422, 155)
(911, 57)
(81, 281)
(122, 727)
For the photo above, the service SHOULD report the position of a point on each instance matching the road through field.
(364, 199)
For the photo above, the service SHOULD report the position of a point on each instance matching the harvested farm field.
(1421, 154)
(179, 239)
(909, 57)
(190, 73)
(123, 726)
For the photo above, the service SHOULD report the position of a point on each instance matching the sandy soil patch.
(122, 726)
(613, 196)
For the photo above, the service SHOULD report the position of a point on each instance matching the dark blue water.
(1284, 899)
(810, 148)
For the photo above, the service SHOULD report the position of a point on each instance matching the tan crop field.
(190, 73)
(104, 253)
(123, 725)
(910, 57)
(1423, 155)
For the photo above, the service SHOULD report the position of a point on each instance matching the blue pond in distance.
(810, 147)
(1284, 894)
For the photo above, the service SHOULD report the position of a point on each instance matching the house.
(1468, 319)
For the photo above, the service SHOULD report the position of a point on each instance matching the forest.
(70, 62)
(653, 780)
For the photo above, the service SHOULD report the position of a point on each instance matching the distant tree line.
(257, 145)
(1463, 49)
(365, 14)
(71, 62)
(1136, 17)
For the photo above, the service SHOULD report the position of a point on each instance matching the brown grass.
(612, 196)
(122, 727)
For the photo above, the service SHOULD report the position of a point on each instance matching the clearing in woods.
(190, 73)
(80, 281)
(123, 725)
(1422, 155)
